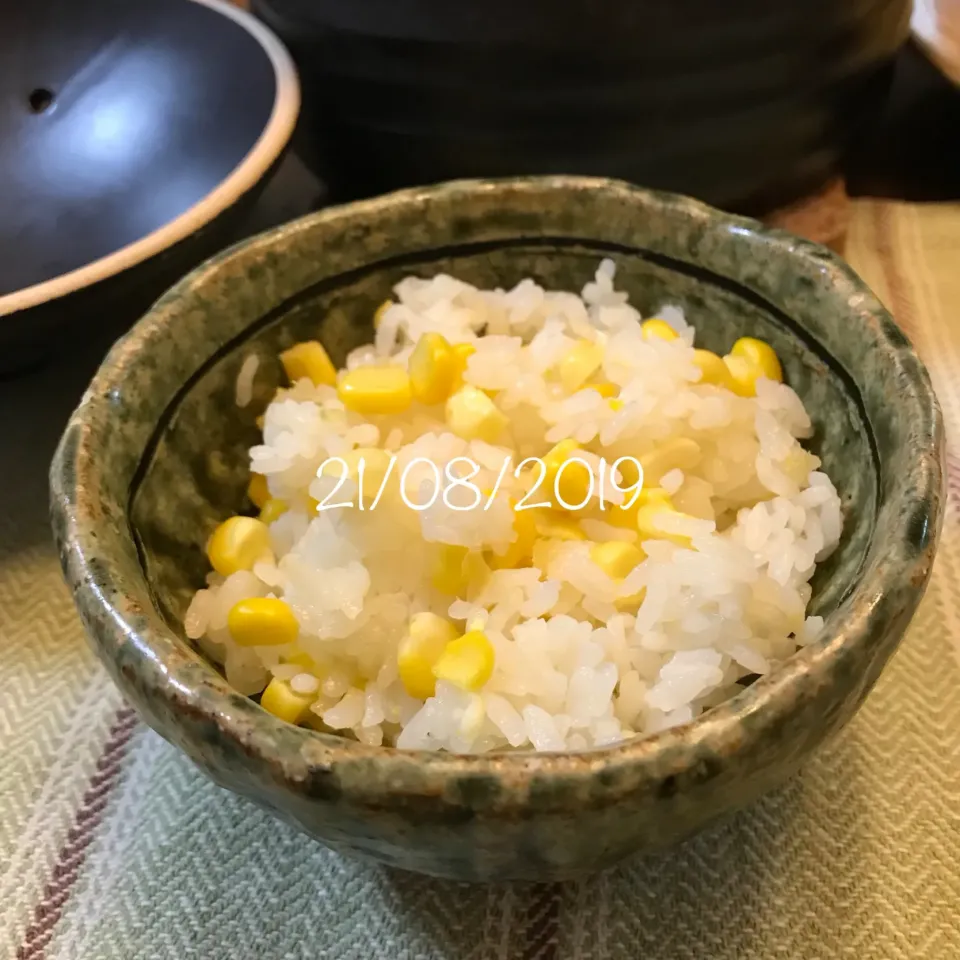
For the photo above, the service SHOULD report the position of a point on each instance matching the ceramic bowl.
(132, 146)
(155, 456)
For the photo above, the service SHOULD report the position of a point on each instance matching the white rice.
(245, 378)
(570, 671)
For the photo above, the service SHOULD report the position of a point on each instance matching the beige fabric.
(111, 846)
(936, 25)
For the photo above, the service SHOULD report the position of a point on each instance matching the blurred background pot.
(748, 104)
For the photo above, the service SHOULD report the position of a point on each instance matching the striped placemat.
(112, 846)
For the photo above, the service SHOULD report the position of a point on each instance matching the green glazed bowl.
(155, 456)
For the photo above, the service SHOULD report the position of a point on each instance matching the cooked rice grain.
(571, 670)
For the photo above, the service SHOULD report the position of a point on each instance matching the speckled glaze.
(154, 457)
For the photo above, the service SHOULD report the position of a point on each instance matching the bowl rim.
(244, 176)
(296, 754)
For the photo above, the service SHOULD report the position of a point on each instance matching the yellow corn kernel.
(260, 422)
(606, 390)
(380, 311)
(272, 510)
(472, 415)
(426, 639)
(520, 550)
(462, 352)
(433, 369)
(626, 517)
(616, 405)
(658, 328)
(654, 495)
(376, 463)
(743, 375)
(309, 360)
(262, 622)
(574, 483)
(475, 623)
(284, 703)
(647, 521)
(299, 658)
(475, 573)
(448, 569)
(631, 603)
(258, 491)
(678, 453)
(557, 526)
(629, 473)
(558, 454)
(504, 561)
(646, 496)
(580, 363)
(369, 390)
(616, 558)
(619, 516)
(237, 544)
(712, 369)
(467, 662)
(761, 355)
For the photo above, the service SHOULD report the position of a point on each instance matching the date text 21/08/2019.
(453, 483)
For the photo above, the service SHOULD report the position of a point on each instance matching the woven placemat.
(113, 846)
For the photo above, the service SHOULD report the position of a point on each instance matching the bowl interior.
(194, 469)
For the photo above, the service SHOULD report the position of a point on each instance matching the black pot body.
(747, 104)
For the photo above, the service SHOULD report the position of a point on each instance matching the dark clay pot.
(130, 145)
(748, 104)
